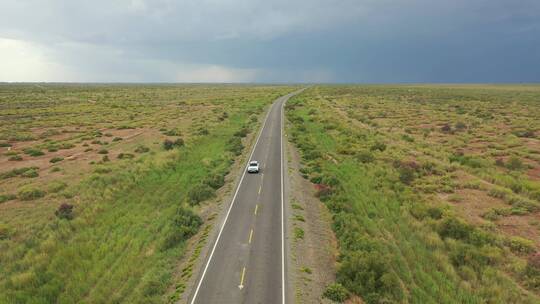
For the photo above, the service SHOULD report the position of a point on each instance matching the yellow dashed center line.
(250, 236)
(256, 208)
(242, 278)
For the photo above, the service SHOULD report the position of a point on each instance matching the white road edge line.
(282, 212)
(230, 207)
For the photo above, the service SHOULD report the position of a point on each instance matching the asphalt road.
(247, 262)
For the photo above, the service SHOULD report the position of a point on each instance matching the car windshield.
(253, 163)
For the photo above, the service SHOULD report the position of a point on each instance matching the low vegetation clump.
(15, 158)
(172, 132)
(29, 193)
(56, 159)
(30, 173)
(336, 292)
(184, 225)
(199, 193)
(56, 186)
(401, 169)
(171, 144)
(64, 212)
(7, 197)
(33, 152)
(24, 171)
(141, 149)
(125, 156)
(4, 232)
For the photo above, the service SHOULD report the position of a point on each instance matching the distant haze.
(270, 41)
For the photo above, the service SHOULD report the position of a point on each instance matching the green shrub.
(407, 138)
(15, 158)
(298, 233)
(499, 193)
(169, 144)
(56, 159)
(532, 271)
(64, 212)
(4, 144)
(406, 175)
(125, 156)
(33, 152)
(141, 149)
(199, 193)
(103, 151)
(299, 218)
(468, 255)
(460, 126)
(446, 128)
(235, 145)
(30, 173)
(524, 133)
(369, 275)
(56, 186)
(520, 245)
(66, 146)
(16, 172)
(496, 213)
(514, 163)
(323, 192)
(102, 170)
(215, 181)
(173, 132)
(454, 228)
(378, 146)
(7, 197)
(435, 213)
(184, 225)
(203, 131)
(117, 139)
(5, 232)
(467, 160)
(364, 157)
(29, 193)
(242, 132)
(336, 292)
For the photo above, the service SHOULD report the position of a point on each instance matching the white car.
(253, 167)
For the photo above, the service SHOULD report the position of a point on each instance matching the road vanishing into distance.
(247, 261)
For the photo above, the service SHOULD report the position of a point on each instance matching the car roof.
(253, 162)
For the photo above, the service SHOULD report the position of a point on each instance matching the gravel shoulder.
(312, 244)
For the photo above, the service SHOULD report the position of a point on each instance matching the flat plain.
(434, 190)
(101, 185)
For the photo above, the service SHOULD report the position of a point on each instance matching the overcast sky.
(270, 40)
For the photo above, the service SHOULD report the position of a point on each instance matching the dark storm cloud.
(316, 40)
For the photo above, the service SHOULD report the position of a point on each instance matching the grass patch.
(379, 157)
